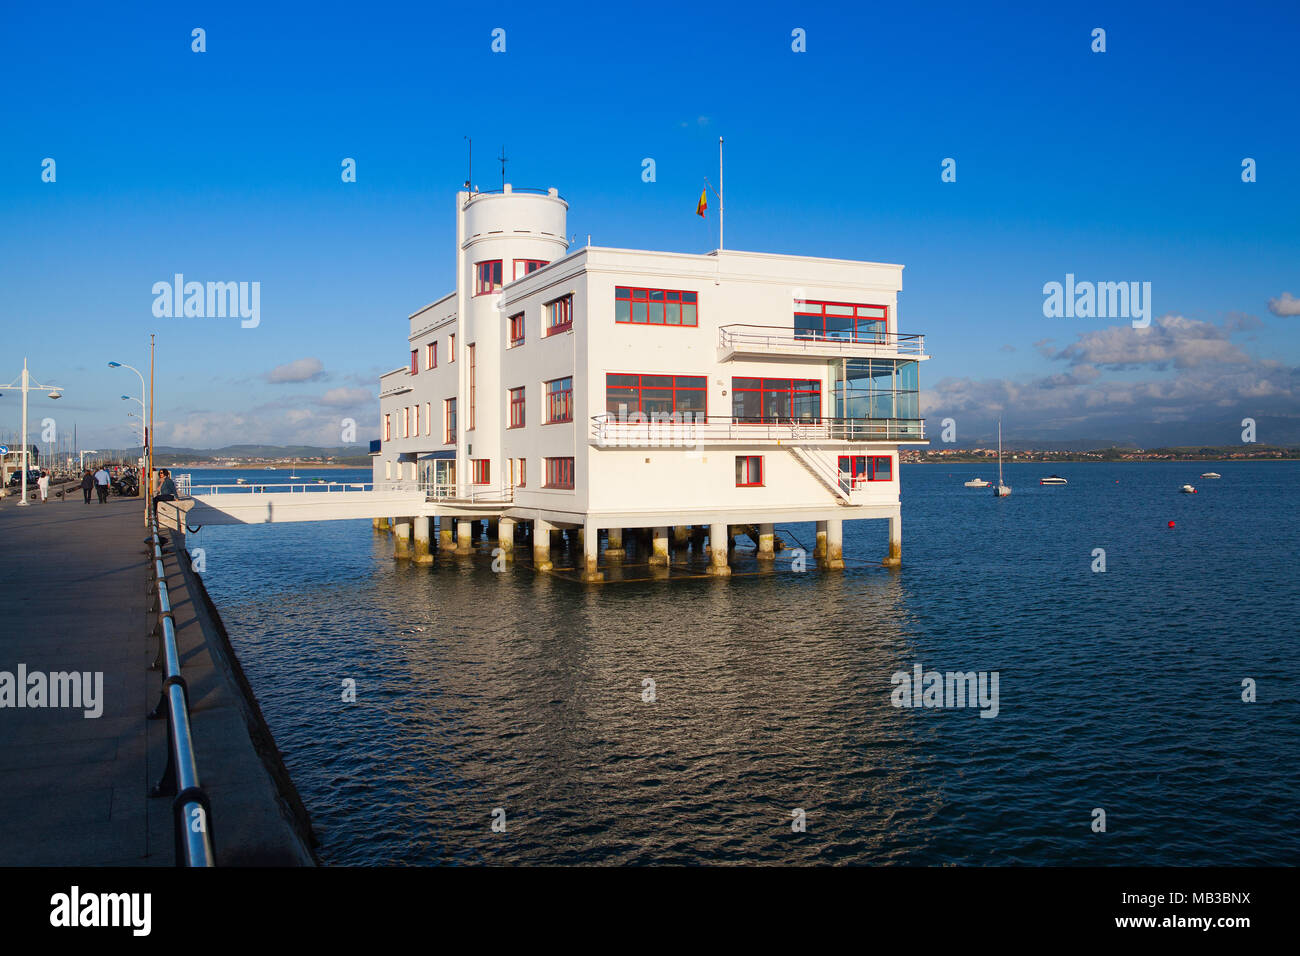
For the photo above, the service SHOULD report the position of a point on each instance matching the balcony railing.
(610, 431)
(772, 340)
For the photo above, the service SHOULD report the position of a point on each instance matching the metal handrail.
(787, 337)
(689, 429)
(191, 810)
(311, 487)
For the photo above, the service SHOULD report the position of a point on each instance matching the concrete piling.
(422, 553)
(895, 557)
(766, 542)
(659, 553)
(542, 545)
(719, 538)
(833, 556)
(402, 538)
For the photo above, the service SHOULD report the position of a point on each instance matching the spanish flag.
(703, 204)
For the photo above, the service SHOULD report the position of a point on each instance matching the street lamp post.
(147, 439)
(25, 385)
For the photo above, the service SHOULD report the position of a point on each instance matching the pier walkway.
(74, 789)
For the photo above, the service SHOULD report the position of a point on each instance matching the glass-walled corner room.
(878, 389)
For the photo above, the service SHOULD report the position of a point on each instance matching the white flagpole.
(722, 203)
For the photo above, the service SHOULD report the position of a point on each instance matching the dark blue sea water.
(1119, 690)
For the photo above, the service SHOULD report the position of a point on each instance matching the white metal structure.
(25, 385)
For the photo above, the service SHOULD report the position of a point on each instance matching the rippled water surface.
(1119, 690)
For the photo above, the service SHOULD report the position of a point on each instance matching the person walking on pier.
(87, 484)
(101, 484)
(43, 483)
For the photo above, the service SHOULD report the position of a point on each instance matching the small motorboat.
(1211, 474)
(1053, 480)
(241, 481)
(977, 483)
(1187, 490)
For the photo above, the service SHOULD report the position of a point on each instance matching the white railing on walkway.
(188, 489)
(682, 432)
(791, 341)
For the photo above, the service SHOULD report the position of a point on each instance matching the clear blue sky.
(225, 166)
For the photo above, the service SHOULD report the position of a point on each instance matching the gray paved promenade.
(74, 790)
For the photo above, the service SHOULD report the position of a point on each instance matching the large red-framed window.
(473, 388)
(559, 400)
(850, 321)
(431, 355)
(481, 469)
(415, 361)
(656, 306)
(749, 471)
(681, 395)
(525, 266)
(776, 400)
(559, 472)
(516, 407)
(488, 277)
(559, 315)
(860, 469)
(516, 326)
(449, 421)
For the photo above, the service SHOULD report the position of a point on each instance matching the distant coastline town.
(1183, 453)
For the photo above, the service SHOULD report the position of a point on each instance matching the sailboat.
(1001, 490)
(293, 472)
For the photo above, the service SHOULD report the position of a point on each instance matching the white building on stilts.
(679, 395)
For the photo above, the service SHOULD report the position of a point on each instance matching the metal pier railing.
(180, 780)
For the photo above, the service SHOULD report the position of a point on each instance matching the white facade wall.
(615, 482)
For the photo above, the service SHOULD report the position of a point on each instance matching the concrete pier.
(591, 573)
(422, 553)
(719, 539)
(542, 531)
(681, 536)
(833, 556)
(766, 542)
(659, 553)
(506, 537)
(464, 536)
(446, 535)
(819, 550)
(402, 537)
(74, 790)
(614, 545)
(895, 557)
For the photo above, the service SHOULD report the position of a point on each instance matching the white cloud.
(1285, 304)
(302, 370)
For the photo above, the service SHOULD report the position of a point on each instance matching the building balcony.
(608, 431)
(760, 340)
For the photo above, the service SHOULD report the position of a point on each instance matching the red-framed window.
(488, 277)
(516, 330)
(559, 473)
(415, 361)
(681, 395)
(859, 469)
(451, 348)
(431, 355)
(428, 418)
(852, 321)
(516, 407)
(449, 421)
(473, 388)
(525, 266)
(767, 400)
(749, 471)
(415, 419)
(523, 472)
(559, 315)
(559, 400)
(388, 427)
(482, 470)
(656, 306)
(406, 421)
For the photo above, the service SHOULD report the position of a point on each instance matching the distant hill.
(358, 454)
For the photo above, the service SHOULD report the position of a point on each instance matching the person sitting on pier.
(166, 490)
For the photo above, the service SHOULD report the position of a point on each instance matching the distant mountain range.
(343, 454)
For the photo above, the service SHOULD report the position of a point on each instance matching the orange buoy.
(1171, 524)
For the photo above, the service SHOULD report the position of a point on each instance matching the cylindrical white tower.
(500, 237)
